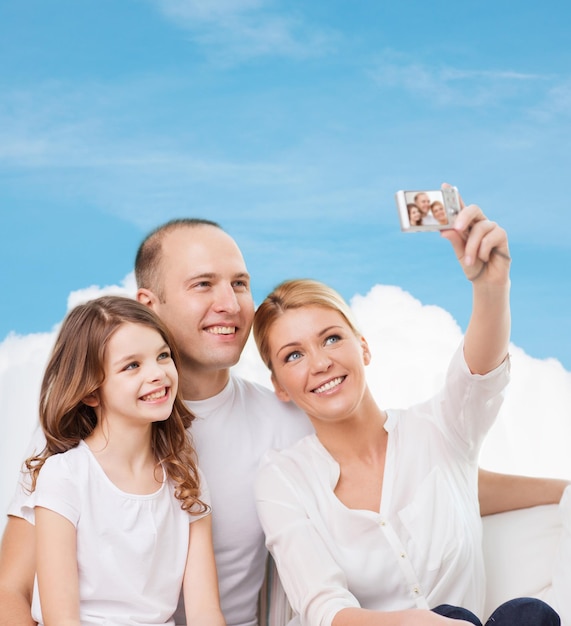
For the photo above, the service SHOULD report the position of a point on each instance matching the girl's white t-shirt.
(131, 549)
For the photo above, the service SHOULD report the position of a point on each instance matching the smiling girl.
(120, 509)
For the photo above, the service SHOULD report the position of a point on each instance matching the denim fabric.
(524, 612)
(457, 612)
(517, 612)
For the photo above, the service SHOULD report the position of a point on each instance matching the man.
(193, 275)
(422, 201)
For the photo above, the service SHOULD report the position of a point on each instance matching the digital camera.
(428, 210)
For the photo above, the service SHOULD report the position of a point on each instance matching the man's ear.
(366, 351)
(91, 400)
(281, 393)
(146, 297)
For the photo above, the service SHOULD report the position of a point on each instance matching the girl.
(414, 215)
(121, 514)
(375, 519)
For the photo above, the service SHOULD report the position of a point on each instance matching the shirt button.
(403, 555)
(382, 522)
(415, 590)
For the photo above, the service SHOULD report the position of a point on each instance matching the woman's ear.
(366, 351)
(281, 393)
(91, 400)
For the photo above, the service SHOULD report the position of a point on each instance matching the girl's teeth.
(156, 395)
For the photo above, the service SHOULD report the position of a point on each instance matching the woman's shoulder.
(304, 448)
(304, 462)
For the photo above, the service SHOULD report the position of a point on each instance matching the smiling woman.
(377, 512)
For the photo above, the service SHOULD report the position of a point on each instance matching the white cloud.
(127, 288)
(411, 345)
(235, 30)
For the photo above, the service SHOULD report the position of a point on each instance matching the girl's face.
(318, 362)
(415, 215)
(140, 376)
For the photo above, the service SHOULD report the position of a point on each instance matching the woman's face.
(439, 213)
(318, 362)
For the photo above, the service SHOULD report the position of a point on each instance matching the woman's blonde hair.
(295, 294)
(75, 371)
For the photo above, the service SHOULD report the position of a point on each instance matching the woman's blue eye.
(332, 339)
(293, 356)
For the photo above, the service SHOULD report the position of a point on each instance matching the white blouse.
(423, 547)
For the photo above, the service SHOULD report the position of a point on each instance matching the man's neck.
(202, 385)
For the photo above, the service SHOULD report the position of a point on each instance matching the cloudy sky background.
(292, 124)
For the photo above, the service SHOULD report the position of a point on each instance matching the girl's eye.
(132, 366)
(164, 355)
(293, 356)
(332, 339)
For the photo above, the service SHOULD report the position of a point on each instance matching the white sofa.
(521, 550)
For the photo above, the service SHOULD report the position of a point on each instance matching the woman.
(374, 519)
(437, 209)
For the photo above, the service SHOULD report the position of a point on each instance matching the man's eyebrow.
(213, 276)
(203, 275)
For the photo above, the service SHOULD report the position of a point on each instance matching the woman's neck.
(361, 435)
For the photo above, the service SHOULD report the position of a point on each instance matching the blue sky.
(292, 124)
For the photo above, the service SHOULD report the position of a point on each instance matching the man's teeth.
(329, 385)
(156, 395)
(222, 330)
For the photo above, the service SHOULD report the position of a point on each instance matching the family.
(158, 479)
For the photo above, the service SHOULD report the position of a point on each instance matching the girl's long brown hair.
(75, 371)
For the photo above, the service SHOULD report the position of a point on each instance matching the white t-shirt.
(429, 219)
(131, 549)
(423, 548)
(232, 432)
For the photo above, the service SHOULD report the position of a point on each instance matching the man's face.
(206, 300)
(422, 201)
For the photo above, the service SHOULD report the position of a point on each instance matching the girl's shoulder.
(71, 461)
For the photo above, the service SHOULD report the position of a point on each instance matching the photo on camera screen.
(427, 210)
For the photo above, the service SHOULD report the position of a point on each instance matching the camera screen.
(426, 208)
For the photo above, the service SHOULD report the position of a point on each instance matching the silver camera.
(428, 210)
